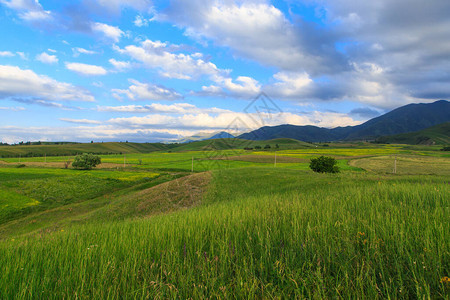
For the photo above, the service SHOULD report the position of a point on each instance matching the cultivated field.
(243, 224)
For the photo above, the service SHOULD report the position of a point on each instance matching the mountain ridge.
(404, 119)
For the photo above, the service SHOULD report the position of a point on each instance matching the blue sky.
(145, 71)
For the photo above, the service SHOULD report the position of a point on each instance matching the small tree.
(267, 147)
(324, 164)
(86, 161)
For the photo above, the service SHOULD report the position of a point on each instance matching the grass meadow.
(238, 227)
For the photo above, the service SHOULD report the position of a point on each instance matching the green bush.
(86, 161)
(324, 164)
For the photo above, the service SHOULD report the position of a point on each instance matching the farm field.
(244, 224)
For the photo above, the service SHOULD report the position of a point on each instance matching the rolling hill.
(75, 148)
(408, 118)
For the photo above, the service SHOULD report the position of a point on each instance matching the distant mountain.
(408, 118)
(435, 135)
(205, 136)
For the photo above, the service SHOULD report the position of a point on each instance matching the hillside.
(408, 118)
(229, 143)
(439, 134)
(73, 149)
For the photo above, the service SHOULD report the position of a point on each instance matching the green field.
(141, 225)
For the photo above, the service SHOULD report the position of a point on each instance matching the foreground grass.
(260, 233)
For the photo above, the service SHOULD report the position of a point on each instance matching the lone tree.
(86, 161)
(324, 164)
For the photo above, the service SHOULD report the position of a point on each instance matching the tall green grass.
(260, 233)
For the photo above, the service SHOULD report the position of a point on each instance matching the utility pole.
(192, 167)
(395, 164)
(124, 160)
(45, 157)
(275, 165)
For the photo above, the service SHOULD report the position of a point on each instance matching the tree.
(86, 161)
(324, 164)
(267, 147)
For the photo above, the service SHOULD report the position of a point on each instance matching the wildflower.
(445, 279)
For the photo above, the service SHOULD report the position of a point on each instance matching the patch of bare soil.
(177, 194)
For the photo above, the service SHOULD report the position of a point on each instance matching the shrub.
(324, 164)
(20, 166)
(267, 147)
(86, 161)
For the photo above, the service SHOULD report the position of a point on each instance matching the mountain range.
(408, 118)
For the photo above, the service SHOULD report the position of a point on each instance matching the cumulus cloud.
(120, 66)
(147, 91)
(259, 31)
(29, 10)
(140, 21)
(47, 58)
(112, 33)
(16, 82)
(161, 56)
(85, 69)
(224, 120)
(338, 54)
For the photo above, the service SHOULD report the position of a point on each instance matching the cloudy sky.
(148, 70)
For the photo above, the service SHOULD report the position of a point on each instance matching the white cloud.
(36, 16)
(253, 29)
(80, 121)
(120, 66)
(140, 21)
(176, 108)
(243, 87)
(221, 121)
(147, 91)
(29, 10)
(14, 134)
(17, 108)
(22, 55)
(15, 82)
(77, 51)
(6, 54)
(85, 69)
(46, 58)
(160, 56)
(110, 32)
(289, 85)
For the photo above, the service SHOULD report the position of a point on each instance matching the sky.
(150, 71)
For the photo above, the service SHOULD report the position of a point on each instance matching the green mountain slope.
(439, 134)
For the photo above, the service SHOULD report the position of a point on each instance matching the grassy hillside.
(439, 134)
(225, 144)
(73, 149)
(258, 233)
(245, 228)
